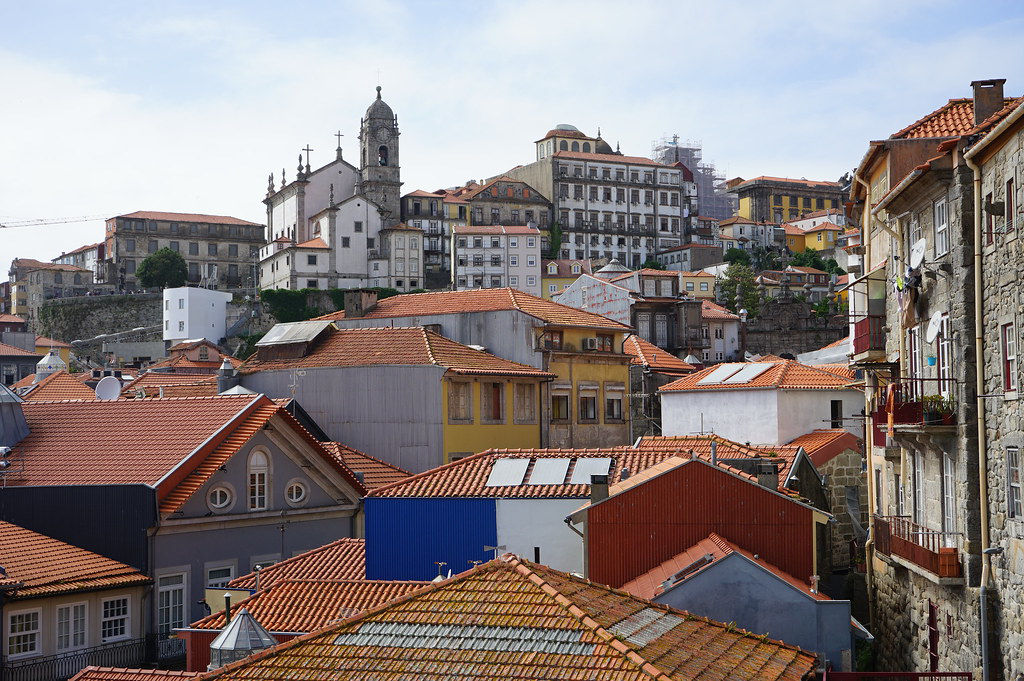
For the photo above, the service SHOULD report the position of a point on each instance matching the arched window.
(259, 479)
(563, 146)
(575, 146)
(382, 155)
(575, 269)
(586, 147)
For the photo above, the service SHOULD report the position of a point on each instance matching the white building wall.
(741, 415)
(598, 296)
(195, 313)
(526, 523)
(801, 411)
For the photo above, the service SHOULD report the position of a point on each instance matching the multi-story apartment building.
(398, 261)
(88, 257)
(33, 282)
(435, 213)
(942, 485)
(496, 257)
(746, 234)
(605, 204)
(220, 251)
(505, 201)
(778, 199)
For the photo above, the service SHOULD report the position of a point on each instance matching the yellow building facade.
(822, 237)
(486, 412)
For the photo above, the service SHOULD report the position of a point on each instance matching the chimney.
(227, 376)
(768, 474)
(714, 453)
(227, 609)
(358, 302)
(598, 488)
(988, 98)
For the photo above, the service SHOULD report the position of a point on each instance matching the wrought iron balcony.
(902, 537)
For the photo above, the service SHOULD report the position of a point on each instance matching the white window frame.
(513, 261)
(73, 632)
(35, 634)
(257, 487)
(127, 617)
(944, 350)
(941, 214)
(167, 591)
(1008, 354)
(948, 499)
(918, 482)
(1014, 503)
(221, 582)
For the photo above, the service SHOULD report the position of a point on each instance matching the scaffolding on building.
(712, 199)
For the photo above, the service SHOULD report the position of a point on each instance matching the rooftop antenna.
(440, 568)
(500, 547)
(108, 389)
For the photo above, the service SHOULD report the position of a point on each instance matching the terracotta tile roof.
(824, 444)
(50, 342)
(475, 191)
(805, 270)
(32, 264)
(182, 362)
(376, 473)
(647, 272)
(315, 242)
(343, 559)
(123, 674)
(990, 122)
(398, 345)
(565, 268)
(60, 385)
(12, 351)
(11, 319)
(709, 310)
(783, 375)
(843, 370)
(700, 273)
(188, 217)
(24, 383)
(87, 247)
(700, 447)
(303, 605)
(46, 566)
(649, 355)
(793, 230)
(423, 193)
(484, 300)
(609, 158)
(555, 132)
(952, 119)
(501, 620)
(825, 227)
(651, 584)
(495, 229)
(151, 382)
(786, 180)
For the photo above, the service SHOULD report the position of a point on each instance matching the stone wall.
(789, 325)
(845, 470)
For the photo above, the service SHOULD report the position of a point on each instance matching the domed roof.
(602, 147)
(380, 109)
(50, 364)
(613, 268)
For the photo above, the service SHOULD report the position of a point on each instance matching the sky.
(112, 107)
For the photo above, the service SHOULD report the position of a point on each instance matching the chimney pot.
(988, 98)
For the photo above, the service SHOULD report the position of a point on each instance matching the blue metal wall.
(405, 537)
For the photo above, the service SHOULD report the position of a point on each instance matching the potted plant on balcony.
(938, 410)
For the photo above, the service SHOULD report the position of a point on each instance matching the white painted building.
(763, 403)
(487, 256)
(192, 313)
(397, 261)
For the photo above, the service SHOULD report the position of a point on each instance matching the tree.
(738, 289)
(764, 259)
(811, 258)
(164, 269)
(652, 265)
(555, 241)
(737, 255)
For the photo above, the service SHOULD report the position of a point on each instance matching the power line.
(41, 222)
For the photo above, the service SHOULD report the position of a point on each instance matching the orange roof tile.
(87, 247)
(783, 375)
(60, 385)
(152, 381)
(315, 242)
(423, 193)
(24, 382)
(397, 345)
(609, 158)
(843, 370)
(50, 342)
(302, 605)
(709, 310)
(124, 674)
(11, 319)
(825, 226)
(33, 264)
(512, 619)
(376, 473)
(650, 355)
(483, 300)
(188, 217)
(473, 192)
(788, 180)
(343, 559)
(12, 351)
(952, 119)
(824, 444)
(45, 566)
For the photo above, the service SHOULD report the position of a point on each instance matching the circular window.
(220, 498)
(296, 493)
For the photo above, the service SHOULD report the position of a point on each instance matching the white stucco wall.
(202, 311)
(598, 296)
(801, 411)
(526, 523)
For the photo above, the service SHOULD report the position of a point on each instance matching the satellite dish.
(934, 326)
(917, 253)
(109, 388)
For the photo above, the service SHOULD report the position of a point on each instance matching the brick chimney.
(359, 301)
(988, 98)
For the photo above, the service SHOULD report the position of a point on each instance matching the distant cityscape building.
(495, 257)
(778, 199)
(191, 312)
(712, 199)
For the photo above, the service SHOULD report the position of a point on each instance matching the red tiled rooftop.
(12, 351)
(46, 566)
(565, 268)
(824, 444)
(188, 217)
(376, 473)
(11, 319)
(649, 355)
(789, 180)
(60, 385)
(483, 300)
(343, 559)
(952, 119)
(784, 375)
(125, 674)
(315, 242)
(44, 341)
(709, 310)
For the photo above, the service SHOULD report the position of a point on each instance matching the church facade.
(338, 226)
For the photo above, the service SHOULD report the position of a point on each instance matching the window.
(914, 364)
(357, 226)
(559, 407)
(310, 259)
(218, 577)
(296, 493)
(170, 606)
(588, 408)
(460, 407)
(524, 406)
(837, 413)
(605, 342)
(1008, 206)
(703, 286)
(948, 500)
(174, 246)
(193, 248)
(114, 623)
(551, 340)
(233, 250)
(71, 626)
(492, 402)
(259, 469)
(181, 326)
(152, 246)
(917, 481)
(945, 357)
(531, 281)
(23, 633)
(129, 266)
(211, 249)
(1008, 337)
(989, 236)
(496, 261)
(1013, 498)
(613, 408)
(129, 245)
(220, 498)
(941, 228)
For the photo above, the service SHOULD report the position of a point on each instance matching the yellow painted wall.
(696, 292)
(63, 353)
(744, 209)
(559, 282)
(478, 436)
(821, 240)
(795, 242)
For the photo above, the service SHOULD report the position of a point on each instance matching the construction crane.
(40, 222)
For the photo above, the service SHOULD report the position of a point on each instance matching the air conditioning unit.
(590, 344)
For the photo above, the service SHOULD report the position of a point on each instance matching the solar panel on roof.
(294, 332)
(721, 373)
(549, 472)
(506, 472)
(749, 372)
(588, 467)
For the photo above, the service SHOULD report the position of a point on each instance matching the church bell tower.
(378, 163)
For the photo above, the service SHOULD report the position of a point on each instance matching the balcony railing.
(897, 676)
(868, 335)
(57, 667)
(900, 536)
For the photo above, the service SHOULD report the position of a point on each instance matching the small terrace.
(928, 552)
(869, 338)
